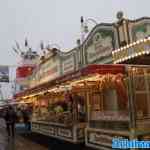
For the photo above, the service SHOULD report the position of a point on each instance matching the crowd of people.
(13, 115)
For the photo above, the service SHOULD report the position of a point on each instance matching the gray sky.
(56, 21)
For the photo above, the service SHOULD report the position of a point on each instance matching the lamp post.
(84, 31)
(84, 26)
(79, 53)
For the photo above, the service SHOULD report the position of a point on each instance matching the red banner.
(22, 72)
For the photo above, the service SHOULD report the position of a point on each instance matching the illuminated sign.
(135, 49)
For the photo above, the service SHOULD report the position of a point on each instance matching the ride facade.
(76, 97)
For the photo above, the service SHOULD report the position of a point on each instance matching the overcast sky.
(56, 21)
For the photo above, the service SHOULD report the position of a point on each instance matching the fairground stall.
(119, 107)
(60, 106)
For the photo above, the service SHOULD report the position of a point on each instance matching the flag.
(81, 19)
(17, 45)
(26, 42)
(15, 50)
(42, 45)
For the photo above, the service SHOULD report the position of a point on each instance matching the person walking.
(10, 119)
(26, 119)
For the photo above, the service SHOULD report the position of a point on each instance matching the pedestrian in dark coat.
(10, 119)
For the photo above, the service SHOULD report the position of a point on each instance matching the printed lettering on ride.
(110, 115)
(35, 126)
(47, 128)
(44, 127)
(51, 130)
(64, 132)
(102, 138)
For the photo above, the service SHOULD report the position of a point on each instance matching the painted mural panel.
(68, 64)
(49, 70)
(100, 44)
(45, 72)
(139, 29)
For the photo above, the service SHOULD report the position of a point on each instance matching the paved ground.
(33, 141)
(3, 136)
(53, 144)
(17, 143)
(21, 143)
